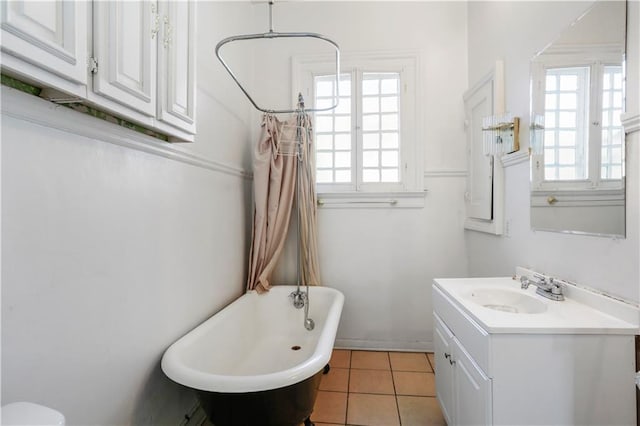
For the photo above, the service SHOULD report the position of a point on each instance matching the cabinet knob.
(446, 355)
(451, 361)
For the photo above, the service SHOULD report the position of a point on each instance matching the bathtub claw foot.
(326, 369)
(308, 422)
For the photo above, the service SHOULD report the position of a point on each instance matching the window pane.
(389, 159)
(343, 176)
(567, 138)
(370, 87)
(550, 119)
(567, 156)
(345, 86)
(370, 122)
(342, 123)
(550, 101)
(324, 124)
(389, 104)
(371, 141)
(324, 142)
(370, 158)
(324, 103)
(389, 86)
(567, 119)
(344, 106)
(550, 83)
(370, 104)
(370, 175)
(389, 140)
(566, 173)
(324, 160)
(389, 122)
(568, 82)
(342, 141)
(343, 159)
(549, 138)
(550, 156)
(390, 175)
(324, 176)
(324, 88)
(567, 101)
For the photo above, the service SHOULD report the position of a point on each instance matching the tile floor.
(378, 388)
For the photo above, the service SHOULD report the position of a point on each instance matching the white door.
(480, 180)
(51, 35)
(472, 390)
(125, 48)
(444, 369)
(176, 64)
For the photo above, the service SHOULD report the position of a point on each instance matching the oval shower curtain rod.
(271, 35)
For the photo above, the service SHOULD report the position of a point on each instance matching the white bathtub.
(247, 346)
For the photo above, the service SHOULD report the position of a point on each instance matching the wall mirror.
(577, 141)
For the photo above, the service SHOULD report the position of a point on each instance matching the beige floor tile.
(420, 411)
(432, 360)
(416, 384)
(328, 424)
(370, 360)
(330, 407)
(340, 358)
(372, 410)
(336, 380)
(371, 381)
(408, 361)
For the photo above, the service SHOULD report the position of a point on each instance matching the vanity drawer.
(473, 337)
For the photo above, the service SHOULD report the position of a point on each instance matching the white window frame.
(596, 58)
(306, 67)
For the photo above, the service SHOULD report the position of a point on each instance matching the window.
(367, 143)
(612, 162)
(565, 139)
(582, 100)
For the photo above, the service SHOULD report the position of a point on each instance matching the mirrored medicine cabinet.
(577, 140)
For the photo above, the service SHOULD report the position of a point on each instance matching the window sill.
(371, 200)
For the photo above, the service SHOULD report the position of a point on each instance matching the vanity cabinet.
(463, 389)
(133, 59)
(514, 375)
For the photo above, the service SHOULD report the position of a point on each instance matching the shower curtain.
(276, 169)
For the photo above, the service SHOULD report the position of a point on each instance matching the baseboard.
(384, 345)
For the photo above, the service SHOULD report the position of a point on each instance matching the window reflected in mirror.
(577, 89)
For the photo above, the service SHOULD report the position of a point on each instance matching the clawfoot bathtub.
(254, 363)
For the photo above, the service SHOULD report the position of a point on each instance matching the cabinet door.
(444, 370)
(124, 44)
(50, 35)
(472, 389)
(176, 64)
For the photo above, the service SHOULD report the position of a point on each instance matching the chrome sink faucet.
(551, 289)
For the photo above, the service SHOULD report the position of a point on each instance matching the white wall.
(384, 260)
(109, 253)
(610, 265)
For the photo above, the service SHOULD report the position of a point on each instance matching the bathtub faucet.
(299, 299)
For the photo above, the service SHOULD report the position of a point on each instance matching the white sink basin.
(510, 301)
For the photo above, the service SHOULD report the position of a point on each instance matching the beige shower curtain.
(275, 170)
(307, 206)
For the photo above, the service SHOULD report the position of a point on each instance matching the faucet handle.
(556, 287)
(542, 278)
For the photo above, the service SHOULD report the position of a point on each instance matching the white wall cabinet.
(134, 59)
(46, 42)
(125, 50)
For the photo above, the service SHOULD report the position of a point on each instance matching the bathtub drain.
(295, 348)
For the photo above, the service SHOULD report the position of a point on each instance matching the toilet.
(28, 413)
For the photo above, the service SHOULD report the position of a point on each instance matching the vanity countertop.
(581, 314)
